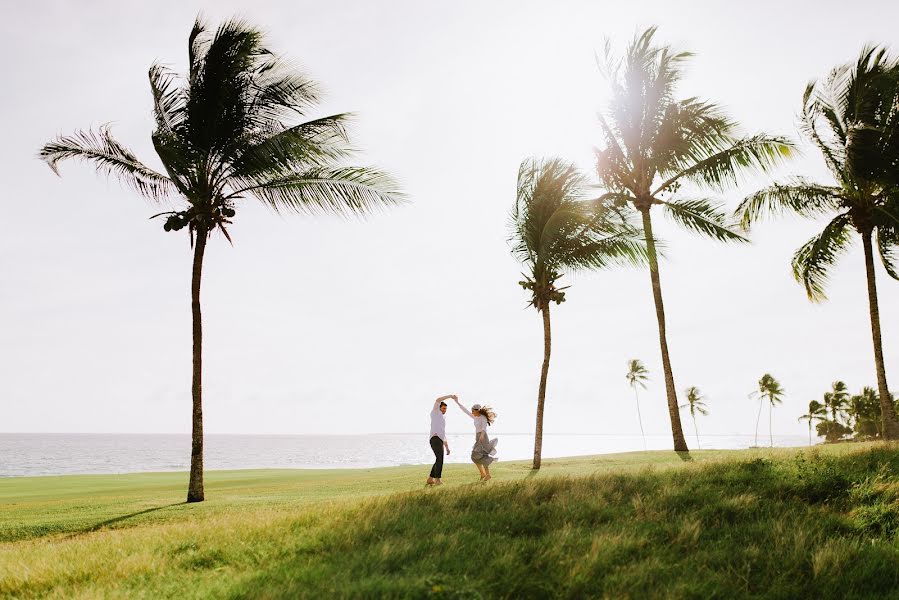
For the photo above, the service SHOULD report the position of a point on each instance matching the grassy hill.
(728, 524)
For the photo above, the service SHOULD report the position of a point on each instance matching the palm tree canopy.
(837, 399)
(816, 411)
(695, 401)
(852, 118)
(655, 143)
(770, 389)
(555, 229)
(865, 405)
(637, 374)
(237, 125)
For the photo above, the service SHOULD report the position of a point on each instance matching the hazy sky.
(331, 326)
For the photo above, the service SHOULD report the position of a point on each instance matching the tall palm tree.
(654, 144)
(234, 127)
(847, 116)
(696, 403)
(554, 230)
(816, 412)
(768, 389)
(637, 375)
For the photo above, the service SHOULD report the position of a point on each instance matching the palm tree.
(654, 143)
(637, 375)
(696, 404)
(555, 230)
(816, 412)
(846, 116)
(864, 408)
(769, 389)
(235, 127)
(837, 400)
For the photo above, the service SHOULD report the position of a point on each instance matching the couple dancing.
(484, 449)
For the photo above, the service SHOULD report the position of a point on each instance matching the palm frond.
(800, 197)
(111, 158)
(705, 217)
(342, 191)
(169, 100)
(813, 260)
(723, 168)
(887, 242)
(315, 142)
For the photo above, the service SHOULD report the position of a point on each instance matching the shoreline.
(652, 457)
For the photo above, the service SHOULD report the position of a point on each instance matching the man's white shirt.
(438, 422)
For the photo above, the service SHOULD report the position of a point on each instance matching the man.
(438, 438)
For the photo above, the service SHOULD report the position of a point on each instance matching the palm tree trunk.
(890, 424)
(758, 420)
(696, 431)
(195, 486)
(810, 432)
(541, 393)
(770, 431)
(677, 432)
(640, 417)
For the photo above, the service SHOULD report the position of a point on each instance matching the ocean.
(28, 454)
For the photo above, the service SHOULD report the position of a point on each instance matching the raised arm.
(441, 399)
(465, 410)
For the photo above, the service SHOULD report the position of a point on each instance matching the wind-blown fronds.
(704, 217)
(721, 170)
(342, 191)
(851, 117)
(799, 196)
(813, 260)
(236, 126)
(554, 229)
(654, 143)
(887, 242)
(111, 158)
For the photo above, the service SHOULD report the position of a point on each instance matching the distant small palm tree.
(556, 229)
(816, 412)
(837, 401)
(654, 143)
(864, 409)
(637, 375)
(769, 389)
(234, 127)
(696, 403)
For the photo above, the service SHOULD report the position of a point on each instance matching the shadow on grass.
(684, 455)
(119, 519)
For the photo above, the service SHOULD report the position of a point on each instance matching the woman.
(484, 449)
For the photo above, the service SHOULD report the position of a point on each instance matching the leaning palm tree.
(234, 127)
(848, 116)
(696, 403)
(555, 230)
(816, 412)
(637, 375)
(768, 389)
(654, 144)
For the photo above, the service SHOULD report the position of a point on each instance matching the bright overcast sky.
(331, 326)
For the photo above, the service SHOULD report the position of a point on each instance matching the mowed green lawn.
(731, 524)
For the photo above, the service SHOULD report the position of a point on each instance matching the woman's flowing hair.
(488, 414)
